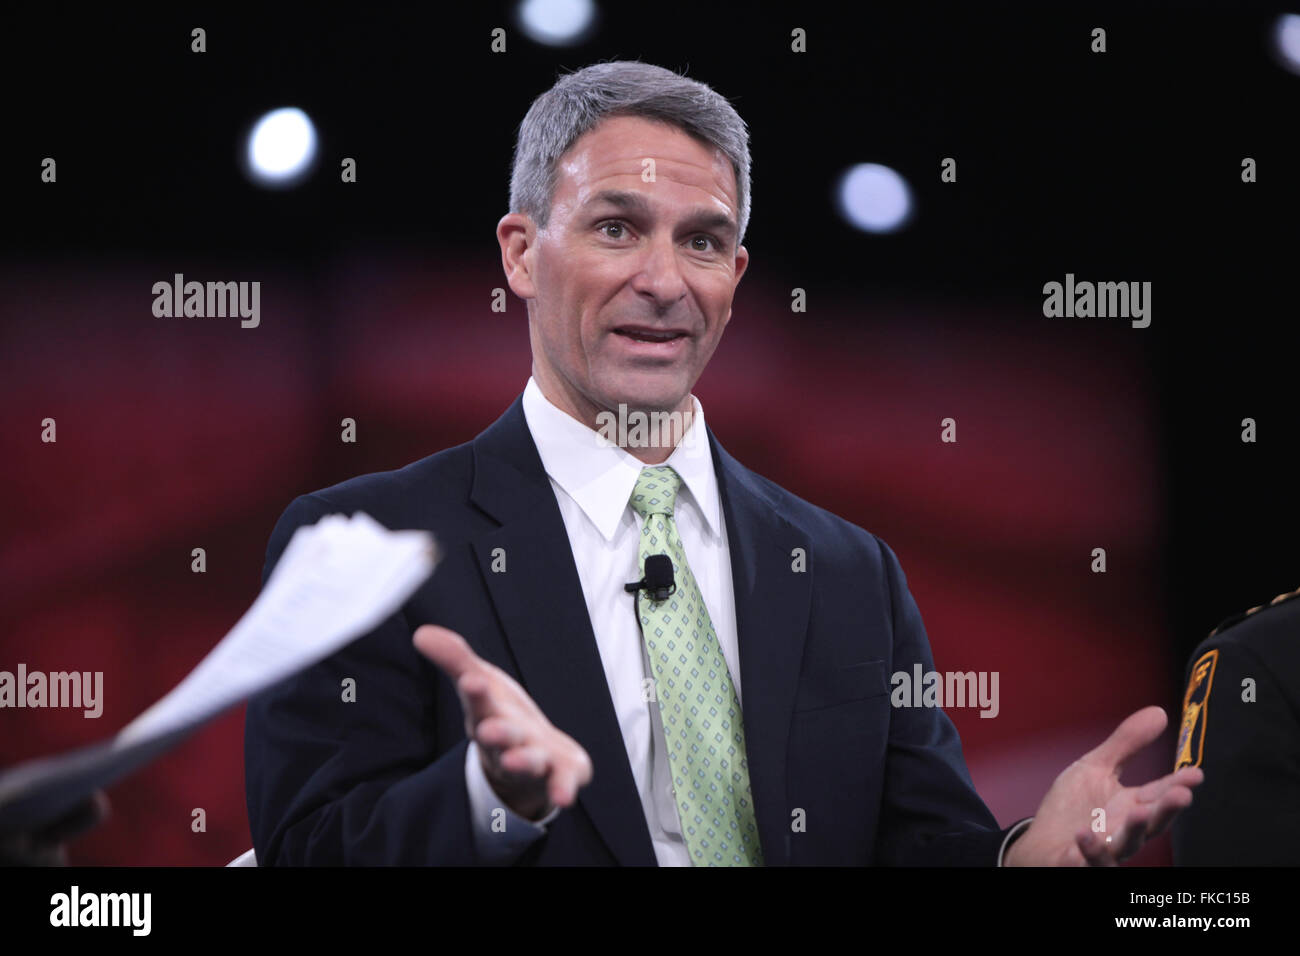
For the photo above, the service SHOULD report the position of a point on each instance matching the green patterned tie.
(697, 701)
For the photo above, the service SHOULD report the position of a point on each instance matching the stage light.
(557, 22)
(1287, 35)
(281, 148)
(874, 198)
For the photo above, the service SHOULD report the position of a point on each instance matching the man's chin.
(648, 399)
(646, 390)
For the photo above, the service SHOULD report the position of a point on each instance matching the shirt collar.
(600, 477)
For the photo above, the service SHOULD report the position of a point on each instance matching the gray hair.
(579, 101)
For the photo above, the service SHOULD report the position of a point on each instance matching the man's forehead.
(620, 147)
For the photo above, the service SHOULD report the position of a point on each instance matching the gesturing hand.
(1061, 833)
(531, 765)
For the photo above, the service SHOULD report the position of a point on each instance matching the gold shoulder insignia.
(1191, 735)
(1238, 618)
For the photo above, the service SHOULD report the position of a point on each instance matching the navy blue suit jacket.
(381, 780)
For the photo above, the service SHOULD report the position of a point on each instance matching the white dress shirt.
(593, 485)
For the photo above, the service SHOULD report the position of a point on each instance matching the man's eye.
(713, 243)
(612, 224)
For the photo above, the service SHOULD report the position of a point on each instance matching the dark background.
(1072, 433)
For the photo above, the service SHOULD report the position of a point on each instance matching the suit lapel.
(542, 610)
(772, 606)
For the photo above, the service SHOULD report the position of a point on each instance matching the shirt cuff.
(1014, 832)
(500, 834)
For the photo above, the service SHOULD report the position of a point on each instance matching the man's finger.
(1095, 850)
(526, 761)
(1170, 805)
(571, 776)
(585, 771)
(1134, 732)
(566, 783)
(1131, 835)
(563, 789)
(1186, 777)
(498, 732)
(447, 649)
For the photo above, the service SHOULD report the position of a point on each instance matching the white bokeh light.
(1287, 35)
(874, 198)
(557, 22)
(281, 147)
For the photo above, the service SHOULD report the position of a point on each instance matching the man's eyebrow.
(635, 202)
(620, 198)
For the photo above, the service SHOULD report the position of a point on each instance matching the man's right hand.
(531, 765)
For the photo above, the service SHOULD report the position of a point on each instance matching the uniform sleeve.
(1246, 812)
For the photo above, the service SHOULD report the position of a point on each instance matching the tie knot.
(656, 491)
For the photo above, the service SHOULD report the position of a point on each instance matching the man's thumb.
(446, 648)
(1134, 732)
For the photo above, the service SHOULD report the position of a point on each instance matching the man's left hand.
(1062, 832)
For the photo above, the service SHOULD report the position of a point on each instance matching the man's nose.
(660, 274)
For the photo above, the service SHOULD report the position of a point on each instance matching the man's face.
(630, 284)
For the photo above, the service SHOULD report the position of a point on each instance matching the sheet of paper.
(337, 580)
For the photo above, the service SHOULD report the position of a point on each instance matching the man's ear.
(742, 263)
(517, 236)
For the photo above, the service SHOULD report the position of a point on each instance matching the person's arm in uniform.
(1241, 726)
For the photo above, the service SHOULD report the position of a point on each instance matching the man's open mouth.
(641, 334)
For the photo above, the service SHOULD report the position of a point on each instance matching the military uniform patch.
(1191, 735)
